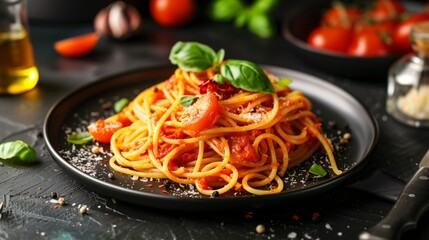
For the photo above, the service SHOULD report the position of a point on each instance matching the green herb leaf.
(79, 138)
(241, 19)
(262, 25)
(219, 79)
(120, 104)
(17, 150)
(192, 56)
(187, 101)
(246, 75)
(225, 10)
(284, 82)
(264, 6)
(317, 170)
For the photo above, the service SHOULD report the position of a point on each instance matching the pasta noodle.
(248, 144)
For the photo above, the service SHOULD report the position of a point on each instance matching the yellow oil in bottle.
(18, 72)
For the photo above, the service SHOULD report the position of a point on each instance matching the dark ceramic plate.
(304, 17)
(77, 110)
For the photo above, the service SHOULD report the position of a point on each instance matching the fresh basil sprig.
(79, 138)
(246, 75)
(194, 57)
(17, 150)
(257, 15)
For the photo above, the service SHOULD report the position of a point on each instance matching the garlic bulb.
(119, 20)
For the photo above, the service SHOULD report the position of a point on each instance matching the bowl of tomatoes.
(359, 41)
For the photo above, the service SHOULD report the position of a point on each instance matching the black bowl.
(297, 26)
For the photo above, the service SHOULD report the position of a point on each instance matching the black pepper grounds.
(54, 195)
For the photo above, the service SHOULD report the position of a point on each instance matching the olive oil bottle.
(18, 72)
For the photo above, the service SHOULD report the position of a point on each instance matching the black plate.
(78, 109)
(304, 17)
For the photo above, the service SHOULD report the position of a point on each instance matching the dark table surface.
(26, 190)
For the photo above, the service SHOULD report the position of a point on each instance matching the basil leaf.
(18, 150)
(225, 10)
(219, 79)
(284, 82)
(79, 138)
(241, 19)
(317, 170)
(192, 56)
(187, 101)
(264, 6)
(246, 75)
(120, 104)
(261, 25)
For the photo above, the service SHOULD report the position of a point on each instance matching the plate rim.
(200, 204)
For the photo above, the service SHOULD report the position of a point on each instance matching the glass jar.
(18, 71)
(408, 83)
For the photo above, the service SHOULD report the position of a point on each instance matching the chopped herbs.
(79, 138)
(17, 150)
(284, 82)
(187, 101)
(120, 104)
(317, 170)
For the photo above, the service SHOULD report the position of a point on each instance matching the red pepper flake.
(161, 186)
(56, 206)
(295, 217)
(248, 216)
(315, 217)
(165, 191)
(149, 185)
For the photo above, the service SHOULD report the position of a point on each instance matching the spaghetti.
(227, 139)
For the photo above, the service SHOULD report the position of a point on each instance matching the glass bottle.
(18, 72)
(408, 83)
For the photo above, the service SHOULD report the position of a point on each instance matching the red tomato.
(340, 16)
(172, 13)
(242, 151)
(401, 35)
(331, 39)
(385, 10)
(77, 46)
(386, 27)
(367, 44)
(202, 114)
(102, 131)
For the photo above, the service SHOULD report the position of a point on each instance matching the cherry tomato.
(387, 26)
(340, 16)
(242, 151)
(368, 43)
(103, 131)
(202, 114)
(331, 39)
(172, 13)
(77, 46)
(401, 35)
(385, 10)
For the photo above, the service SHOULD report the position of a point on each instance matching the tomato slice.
(242, 151)
(77, 46)
(103, 131)
(202, 114)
